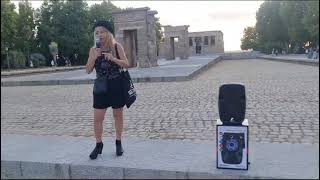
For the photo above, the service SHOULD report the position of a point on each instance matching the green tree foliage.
(8, 25)
(25, 28)
(284, 25)
(159, 33)
(16, 59)
(311, 20)
(101, 11)
(73, 32)
(48, 21)
(292, 14)
(66, 22)
(249, 39)
(269, 26)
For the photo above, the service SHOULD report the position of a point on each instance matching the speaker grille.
(232, 104)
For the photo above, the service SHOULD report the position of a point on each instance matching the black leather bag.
(130, 93)
(100, 86)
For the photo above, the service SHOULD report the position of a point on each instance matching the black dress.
(115, 97)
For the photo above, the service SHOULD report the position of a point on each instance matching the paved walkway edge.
(37, 71)
(155, 79)
(24, 169)
(296, 61)
(30, 156)
(91, 81)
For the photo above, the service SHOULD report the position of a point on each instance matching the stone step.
(30, 156)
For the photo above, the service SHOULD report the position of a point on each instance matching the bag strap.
(117, 53)
(118, 56)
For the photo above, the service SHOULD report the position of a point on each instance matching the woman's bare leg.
(118, 118)
(98, 126)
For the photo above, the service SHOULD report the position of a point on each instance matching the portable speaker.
(232, 104)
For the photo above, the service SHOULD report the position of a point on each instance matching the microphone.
(98, 42)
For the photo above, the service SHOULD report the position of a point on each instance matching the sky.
(230, 17)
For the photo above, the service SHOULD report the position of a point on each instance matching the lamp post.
(7, 58)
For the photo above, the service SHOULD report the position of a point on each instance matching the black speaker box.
(232, 104)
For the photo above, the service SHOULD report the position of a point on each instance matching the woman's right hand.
(95, 53)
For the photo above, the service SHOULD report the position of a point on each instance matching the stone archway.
(176, 42)
(135, 30)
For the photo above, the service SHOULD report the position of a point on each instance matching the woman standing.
(107, 60)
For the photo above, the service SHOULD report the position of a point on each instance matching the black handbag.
(130, 93)
(100, 86)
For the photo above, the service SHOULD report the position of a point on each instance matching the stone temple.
(135, 30)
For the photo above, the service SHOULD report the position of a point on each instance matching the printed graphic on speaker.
(233, 145)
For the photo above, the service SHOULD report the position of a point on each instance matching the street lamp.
(8, 58)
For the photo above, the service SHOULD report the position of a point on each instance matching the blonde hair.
(109, 40)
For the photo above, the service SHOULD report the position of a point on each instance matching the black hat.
(106, 24)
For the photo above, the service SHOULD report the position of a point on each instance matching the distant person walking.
(310, 53)
(108, 57)
(315, 54)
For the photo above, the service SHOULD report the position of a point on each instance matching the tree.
(286, 25)
(159, 33)
(8, 25)
(73, 32)
(292, 13)
(270, 28)
(25, 28)
(311, 20)
(249, 39)
(48, 21)
(101, 11)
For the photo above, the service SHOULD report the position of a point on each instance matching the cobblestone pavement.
(282, 105)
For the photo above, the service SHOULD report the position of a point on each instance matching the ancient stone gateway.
(135, 30)
(206, 42)
(176, 42)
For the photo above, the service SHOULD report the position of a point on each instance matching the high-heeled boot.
(97, 150)
(119, 149)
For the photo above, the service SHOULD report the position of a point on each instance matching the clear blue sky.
(231, 17)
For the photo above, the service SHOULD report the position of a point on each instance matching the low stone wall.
(239, 55)
(39, 70)
(291, 60)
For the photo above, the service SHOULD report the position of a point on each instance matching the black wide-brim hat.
(106, 24)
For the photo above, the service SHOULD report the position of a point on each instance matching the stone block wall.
(140, 20)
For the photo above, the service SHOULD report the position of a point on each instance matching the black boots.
(99, 146)
(97, 150)
(119, 150)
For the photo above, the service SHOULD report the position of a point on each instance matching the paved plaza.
(282, 105)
